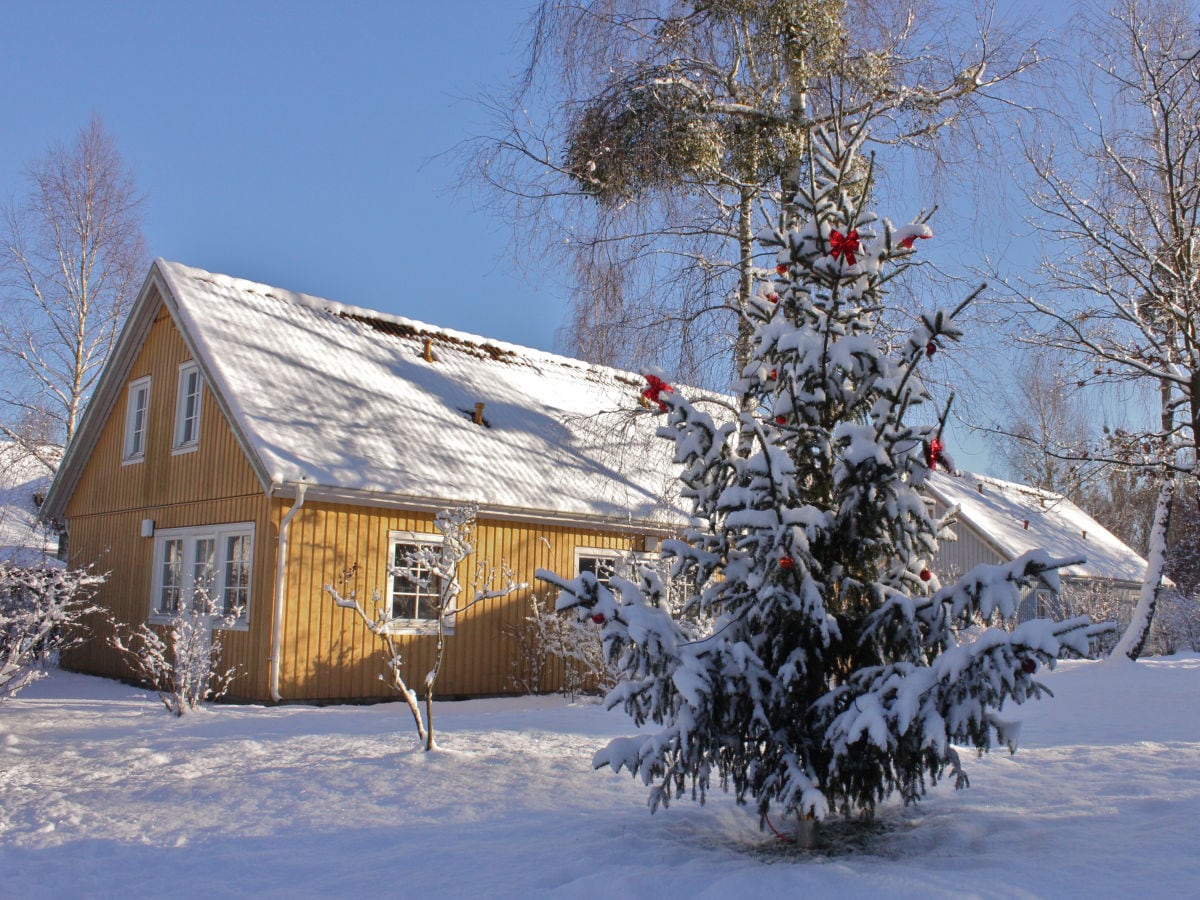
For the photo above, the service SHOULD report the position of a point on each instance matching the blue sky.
(292, 143)
(304, 144)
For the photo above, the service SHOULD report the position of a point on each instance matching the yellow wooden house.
(272, 442)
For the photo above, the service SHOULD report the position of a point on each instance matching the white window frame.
(136, 433)
(599, 554)
(406, 625)
(186, 539)
(185, 443)
(633, 557)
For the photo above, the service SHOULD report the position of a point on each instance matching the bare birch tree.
(648, 141)
(71, 260)
(1118, 201)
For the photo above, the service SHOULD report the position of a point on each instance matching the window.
(413, 591)
(601, 563)
(606, 563)
(187, 408)
(137, 408)
(194, 564)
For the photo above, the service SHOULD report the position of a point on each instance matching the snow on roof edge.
(337, 308)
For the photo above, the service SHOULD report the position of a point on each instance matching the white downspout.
(280, 579)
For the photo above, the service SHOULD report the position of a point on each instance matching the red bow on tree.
(657, 387)
(933, 454)
(844, 246)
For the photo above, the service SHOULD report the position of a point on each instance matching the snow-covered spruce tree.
(830, 676)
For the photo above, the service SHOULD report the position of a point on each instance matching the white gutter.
(280, 579)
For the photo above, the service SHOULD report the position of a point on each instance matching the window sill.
(185, 448)
(160, 619)
(133, 460)
(417, 626)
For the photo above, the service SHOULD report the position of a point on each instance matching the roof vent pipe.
(428, 354)
(478, 417)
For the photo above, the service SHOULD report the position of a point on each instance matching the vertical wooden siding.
(329, 653)
(211, 485)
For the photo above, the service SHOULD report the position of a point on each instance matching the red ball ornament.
(782, 269)
(786, 562)
(598, 618)
(774, 298)
(774, 374)
(781, 420)
(925, 574)
(1028, 666)
(930, 349)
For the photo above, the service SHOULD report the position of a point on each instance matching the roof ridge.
(421, 329)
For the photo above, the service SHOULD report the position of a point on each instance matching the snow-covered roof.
(1014, 518)
(24, 477)
(343, 400)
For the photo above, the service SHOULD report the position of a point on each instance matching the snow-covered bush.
(829, 675)
(550, 642)
(179, 659)
(1176, 625)
(40, 611)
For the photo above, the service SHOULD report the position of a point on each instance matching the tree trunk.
(1133, 641)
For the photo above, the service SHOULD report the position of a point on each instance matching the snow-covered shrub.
(1176, 624)
(826, 675)
(40, 611)
(179, 659)
(550, 642)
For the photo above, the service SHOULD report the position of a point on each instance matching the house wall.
(955, 558)
(329, 654)
(211, 485)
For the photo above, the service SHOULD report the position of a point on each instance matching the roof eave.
(592, 521)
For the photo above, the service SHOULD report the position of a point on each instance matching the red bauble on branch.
(656, 388)
(598, 618)
(930, 349)
(786, 562)
(782, 269)
(925, 574)
(844, 246)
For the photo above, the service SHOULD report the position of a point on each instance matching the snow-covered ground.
(103, 795)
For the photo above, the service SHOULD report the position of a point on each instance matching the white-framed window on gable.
(204, 563)
(187, 408)
(413, 591)
(137, 411)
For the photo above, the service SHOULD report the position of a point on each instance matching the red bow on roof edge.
(844, 245)
(933, 454)
(657, 387)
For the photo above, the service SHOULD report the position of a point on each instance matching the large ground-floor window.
(201, 565)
